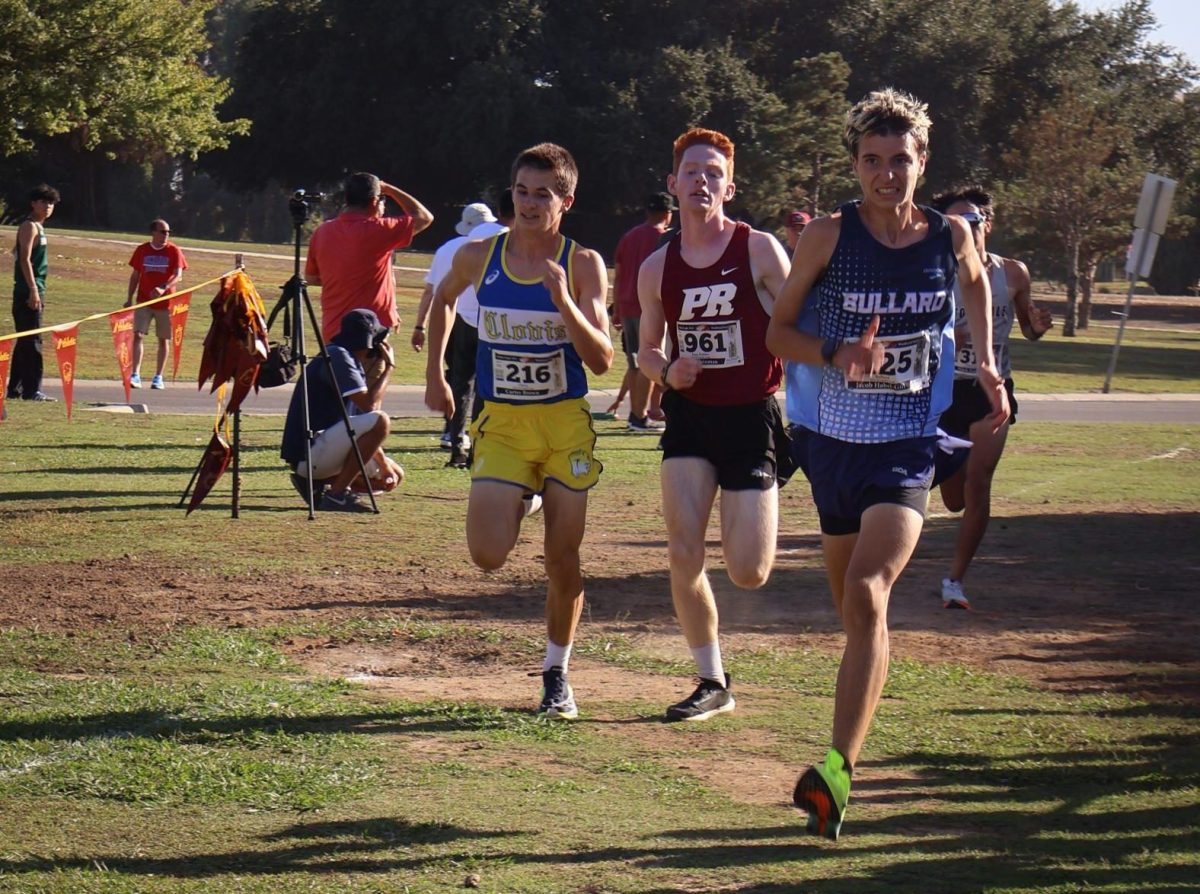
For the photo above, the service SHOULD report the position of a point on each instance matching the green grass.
(200, 756)
(1150, 361)
(71, 491)
(260, 780)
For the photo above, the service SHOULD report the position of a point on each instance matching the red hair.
(702, 136)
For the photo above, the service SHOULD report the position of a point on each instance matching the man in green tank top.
(29, 295)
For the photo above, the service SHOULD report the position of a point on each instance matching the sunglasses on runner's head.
(972, 218)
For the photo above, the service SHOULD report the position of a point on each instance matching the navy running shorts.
(848, 478)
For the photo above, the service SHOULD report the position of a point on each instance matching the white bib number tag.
(966, 364)
(905, 366)
(715, 345)
(528, 376)
(966, 361)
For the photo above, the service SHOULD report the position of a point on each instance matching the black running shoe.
(709, 698)
(558, 701)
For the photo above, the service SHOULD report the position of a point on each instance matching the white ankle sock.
(708, 662)
(556, 656)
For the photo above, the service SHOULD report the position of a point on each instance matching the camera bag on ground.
(280, 366)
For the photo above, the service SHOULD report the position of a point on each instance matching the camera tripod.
(295, 294)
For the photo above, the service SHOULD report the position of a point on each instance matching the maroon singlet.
(714, 315)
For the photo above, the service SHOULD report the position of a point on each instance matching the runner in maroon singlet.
(712, 288)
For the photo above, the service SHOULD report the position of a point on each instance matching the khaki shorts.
(530, 444)
(332, 446)
(162, 320)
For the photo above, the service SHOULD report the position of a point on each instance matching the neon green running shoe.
(822, 792)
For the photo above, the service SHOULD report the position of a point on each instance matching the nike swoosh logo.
(729, 271)
(492, 277)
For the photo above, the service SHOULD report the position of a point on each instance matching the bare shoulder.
(472, 255)
(588, 256)
(819, 239)
(652, 268)
(764, 242)
(1016, 271)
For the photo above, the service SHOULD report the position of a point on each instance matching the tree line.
(210, 111)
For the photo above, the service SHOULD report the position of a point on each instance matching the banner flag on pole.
(178, 307)
(65, 341)
(122, 335)
(5, 359)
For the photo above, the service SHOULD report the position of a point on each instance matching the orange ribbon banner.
(65, 337)
(5, 360)
(65, 341)
(178, 307)
(122, 336)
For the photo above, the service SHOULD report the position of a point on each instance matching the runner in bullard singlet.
(884, 270)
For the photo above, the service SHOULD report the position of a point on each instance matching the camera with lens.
(377, 341)
(299, 204)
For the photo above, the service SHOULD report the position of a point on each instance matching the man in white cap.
(477, 222)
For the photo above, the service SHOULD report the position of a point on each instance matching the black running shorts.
(970, 404)
(747, 443)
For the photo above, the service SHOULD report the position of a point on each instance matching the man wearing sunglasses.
(970, 487)
(158, 267)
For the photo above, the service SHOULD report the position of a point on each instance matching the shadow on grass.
(440, 719)
(345, 846)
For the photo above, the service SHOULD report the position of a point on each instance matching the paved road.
(406, 400)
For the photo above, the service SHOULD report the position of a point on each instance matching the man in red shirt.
(350, 257)
(635, 246)
(158, 267)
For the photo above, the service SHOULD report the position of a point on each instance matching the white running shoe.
(952, 594)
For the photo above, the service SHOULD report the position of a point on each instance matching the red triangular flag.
(215, 461)
(178, 306)
(122, 334)
(5, 359)
(64, 349)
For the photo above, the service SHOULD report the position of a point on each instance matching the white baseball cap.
(472, 216)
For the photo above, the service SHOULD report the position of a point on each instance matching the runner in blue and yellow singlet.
(542, 321)
(884, 270)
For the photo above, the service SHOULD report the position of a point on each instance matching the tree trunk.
(1072, 282)
(1087, 278)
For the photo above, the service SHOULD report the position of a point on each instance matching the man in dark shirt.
(29, 295)
(360, 338)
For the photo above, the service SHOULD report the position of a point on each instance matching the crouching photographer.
(361, 340)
